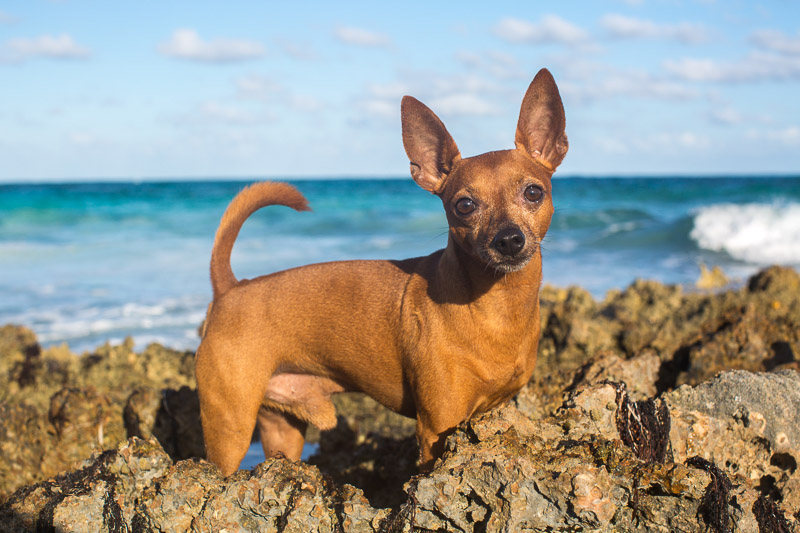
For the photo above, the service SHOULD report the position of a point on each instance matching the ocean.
(87, 263)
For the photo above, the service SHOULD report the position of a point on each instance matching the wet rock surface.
(656, 409)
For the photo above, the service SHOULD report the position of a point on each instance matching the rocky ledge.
(654, 410)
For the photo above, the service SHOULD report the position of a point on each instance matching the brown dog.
(438, 338)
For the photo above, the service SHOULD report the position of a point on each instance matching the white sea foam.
(759, 234)
(169, 322)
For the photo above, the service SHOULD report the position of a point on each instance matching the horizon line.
(361, 177)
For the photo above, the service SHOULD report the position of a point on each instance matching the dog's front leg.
(435, 422)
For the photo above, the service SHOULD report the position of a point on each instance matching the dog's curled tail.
(242, 206)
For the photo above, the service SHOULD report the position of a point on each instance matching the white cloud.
(549, 29)
(255, 86)
(261, 88)
(216, 113)
(298, 51)
(610, 145)
(447, 96)
(671, 142)
(463, 104)
(381, 108)
(392, 90)
(226, 113)
(689, 139)
(54, 47)
(726, 116)
(603, 84)
(361, 37)
(305, 103)
(789, 136)
(622, 27)
(187, 44)
(498, 64)
(776, 41)
(756, 66)
(80, 138)
(657, 143)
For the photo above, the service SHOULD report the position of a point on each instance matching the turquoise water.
(86, 263)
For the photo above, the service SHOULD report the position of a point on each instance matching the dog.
(439, 338)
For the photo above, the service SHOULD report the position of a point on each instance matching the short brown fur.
(439, 338)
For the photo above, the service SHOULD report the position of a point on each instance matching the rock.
(377, 464)
(57, 408)
(17, 340)
(24, 437)
(19, 353)
(36, 445)
(573, 329)
(746, 339)
(501, 471)
(713, 278)
(137, 487)
(640, 373)
(98, 497)
(776, 280)
(171, 416)
(82, 421)
(539, 478)
(155, 367)
(28, 373)
(748, 424)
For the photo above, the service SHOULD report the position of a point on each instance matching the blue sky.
(124, 90)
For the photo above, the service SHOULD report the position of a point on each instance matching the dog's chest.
(503, 369)
(506, 384)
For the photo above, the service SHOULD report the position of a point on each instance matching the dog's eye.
(534, 193)
(465, 206)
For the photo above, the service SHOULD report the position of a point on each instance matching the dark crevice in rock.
(767, 486)
(781, 354)
(672, 368)
(784, 461)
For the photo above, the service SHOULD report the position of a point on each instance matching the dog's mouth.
(507, 267)
(505, 264)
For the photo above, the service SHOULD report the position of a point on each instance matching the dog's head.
(498, 204)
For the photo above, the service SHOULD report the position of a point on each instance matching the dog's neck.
(512, 292)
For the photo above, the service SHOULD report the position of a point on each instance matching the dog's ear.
(540, 130)
(430, 148)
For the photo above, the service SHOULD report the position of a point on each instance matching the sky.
(102, 90)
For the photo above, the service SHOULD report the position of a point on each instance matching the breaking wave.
(756, 233)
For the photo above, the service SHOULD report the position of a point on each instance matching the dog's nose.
(509, 241)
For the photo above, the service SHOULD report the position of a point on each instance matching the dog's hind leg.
(281, 433)
(292, 402)
(231, 393)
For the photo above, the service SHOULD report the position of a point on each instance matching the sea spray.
(758, 233)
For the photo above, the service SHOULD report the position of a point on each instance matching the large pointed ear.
(431, 150)
(540, 130)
